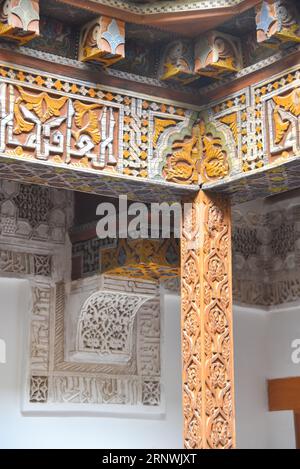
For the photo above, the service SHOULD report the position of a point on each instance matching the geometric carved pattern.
(261, 127)
(208, 394)
(86, 256)
(79, 125)
(25, 263)
(34, 212)
(151, 392)
(19, 20)
(38, 389)
(34, 204)
(277, 103)
(115, 354)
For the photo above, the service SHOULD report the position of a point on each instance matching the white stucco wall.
(250, 332)
(19, 431)
(263, 350)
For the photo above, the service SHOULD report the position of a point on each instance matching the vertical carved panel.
(207, 342)
(19, 19)
(103, 40)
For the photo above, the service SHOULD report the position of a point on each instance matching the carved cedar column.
(207, 342)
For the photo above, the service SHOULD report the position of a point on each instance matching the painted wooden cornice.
(184, 17)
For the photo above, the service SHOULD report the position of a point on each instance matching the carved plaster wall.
(103, 346)
(266, 251)
(94, 343)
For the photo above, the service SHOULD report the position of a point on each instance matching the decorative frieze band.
(72, 124)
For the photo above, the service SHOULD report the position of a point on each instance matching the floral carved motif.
(207, 325)
(181, 167)
(106, 325)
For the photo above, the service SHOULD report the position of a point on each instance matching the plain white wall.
(250, 352)
(19, 431)
(263, 351)
(284, 328)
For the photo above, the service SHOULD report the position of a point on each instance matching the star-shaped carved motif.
(26, 12)
(265, 19)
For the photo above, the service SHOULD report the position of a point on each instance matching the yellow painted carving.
(44, 106)
(87, 121)
(290, 102)
(232, 121)
(182, 165)
(82, 163)
(18, 152)
(214, 163)
(159, 126)
(143, 259)
(281, 126)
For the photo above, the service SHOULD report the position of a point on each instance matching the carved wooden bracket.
(217, 53)
(277, 21)
(102, 40)
(19, 20)
(213, 54)
(178, 62)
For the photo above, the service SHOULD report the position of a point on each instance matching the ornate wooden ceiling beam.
(187, 22)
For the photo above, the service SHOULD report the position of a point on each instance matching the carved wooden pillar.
(207, 342)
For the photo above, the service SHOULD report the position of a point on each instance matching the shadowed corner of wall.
(2, 351)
